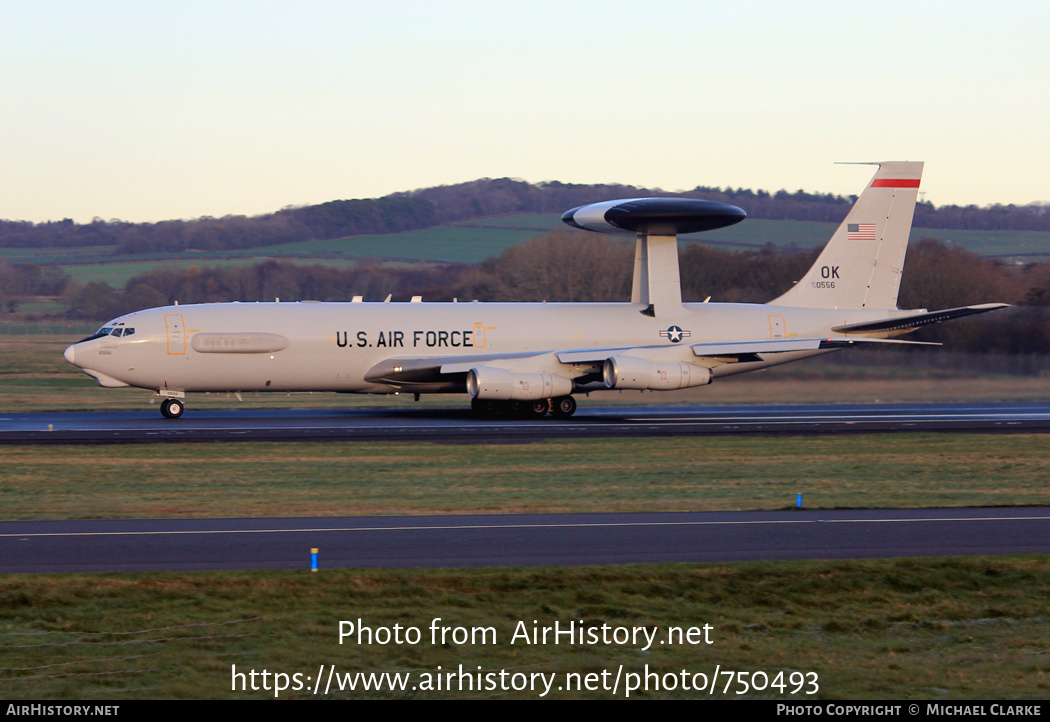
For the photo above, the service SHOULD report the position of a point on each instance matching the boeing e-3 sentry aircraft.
(528, 359)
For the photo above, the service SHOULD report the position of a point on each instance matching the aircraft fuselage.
(332, 346)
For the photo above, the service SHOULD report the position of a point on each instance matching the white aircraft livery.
(527, 360)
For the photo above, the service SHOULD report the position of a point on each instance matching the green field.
(57, 256)
(447, 244)
(455, 244)
(518, 221)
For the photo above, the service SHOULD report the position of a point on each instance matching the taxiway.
(517, 540)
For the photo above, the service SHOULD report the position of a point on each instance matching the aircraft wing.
(731, 349)
(432, 368)
(435, 369)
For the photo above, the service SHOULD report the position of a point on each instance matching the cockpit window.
(113, 328)
(104, 331)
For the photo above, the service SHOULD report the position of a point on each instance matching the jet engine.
(485, 382)
(631, 372)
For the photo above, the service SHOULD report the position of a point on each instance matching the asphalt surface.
(517, 540)
(458, 425)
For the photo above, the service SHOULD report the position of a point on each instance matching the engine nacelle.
(631, 372)
(485, 382)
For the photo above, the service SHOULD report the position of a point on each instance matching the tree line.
(431, 207)
(569, 266)
(18, 280)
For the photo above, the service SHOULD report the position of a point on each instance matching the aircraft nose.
(70, 354)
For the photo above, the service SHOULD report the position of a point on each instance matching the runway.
(517, 540)
(457, 425)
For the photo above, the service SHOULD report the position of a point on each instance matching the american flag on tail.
(860, 232)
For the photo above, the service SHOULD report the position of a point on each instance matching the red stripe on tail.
(895, 183)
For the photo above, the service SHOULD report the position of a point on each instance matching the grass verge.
(679, 474)
(949, 629)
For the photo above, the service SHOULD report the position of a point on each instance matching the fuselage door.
(176, 333)
(776, 327)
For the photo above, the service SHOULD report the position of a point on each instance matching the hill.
(459, 204)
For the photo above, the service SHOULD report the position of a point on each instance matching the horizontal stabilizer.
(910, 323)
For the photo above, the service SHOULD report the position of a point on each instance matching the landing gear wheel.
(172, 408)
(535, 409)
(563, 407)
(525, 409)
(485, 408)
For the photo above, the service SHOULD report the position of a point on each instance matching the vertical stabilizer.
(861, 265)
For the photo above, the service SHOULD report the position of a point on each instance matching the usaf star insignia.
(675, 334)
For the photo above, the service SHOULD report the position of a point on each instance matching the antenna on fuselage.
(656, 223)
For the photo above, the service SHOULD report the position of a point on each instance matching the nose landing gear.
(172, 408)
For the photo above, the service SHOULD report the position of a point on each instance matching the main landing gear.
(560, 408)
(172, 408)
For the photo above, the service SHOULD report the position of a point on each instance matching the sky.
(146, 111)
